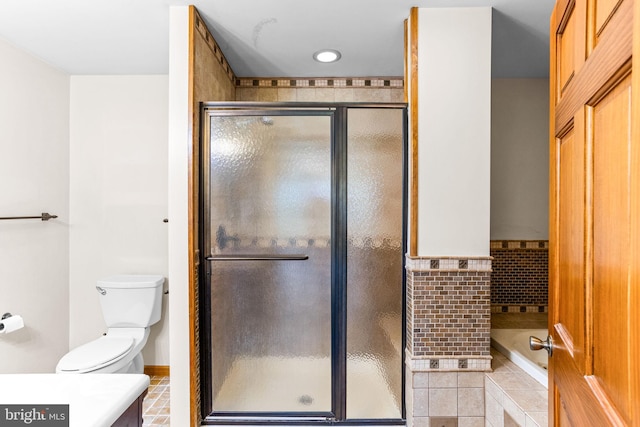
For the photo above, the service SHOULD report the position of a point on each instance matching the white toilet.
(130, 305)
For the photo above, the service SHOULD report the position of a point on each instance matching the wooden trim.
(157, 370)
(194, 373)
(634, 270)
(413, 111)
(406, 60)
(554, 93)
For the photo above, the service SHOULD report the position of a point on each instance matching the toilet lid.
(95, 353)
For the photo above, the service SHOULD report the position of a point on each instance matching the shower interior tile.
(286, 95)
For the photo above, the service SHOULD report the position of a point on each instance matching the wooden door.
(594, 295)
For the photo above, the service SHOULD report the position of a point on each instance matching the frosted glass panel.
(270, 194)
(374, 263)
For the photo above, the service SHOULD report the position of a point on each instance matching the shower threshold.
(239, 388)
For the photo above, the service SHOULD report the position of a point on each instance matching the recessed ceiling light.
(327, 55)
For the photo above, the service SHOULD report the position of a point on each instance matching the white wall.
(454, 131)
(179, 141)
(520, 159)
(118, 195)
(34, 178)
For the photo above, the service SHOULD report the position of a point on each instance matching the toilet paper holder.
(4, 316)
(10, 323)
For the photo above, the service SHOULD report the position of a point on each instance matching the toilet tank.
(131, 301)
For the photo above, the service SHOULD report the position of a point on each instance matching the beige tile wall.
(445, 397)
(306, 94)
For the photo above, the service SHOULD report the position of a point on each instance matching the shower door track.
(338, 112)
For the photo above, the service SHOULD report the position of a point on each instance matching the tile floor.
(156, 403)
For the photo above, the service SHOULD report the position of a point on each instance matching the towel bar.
(45, 216)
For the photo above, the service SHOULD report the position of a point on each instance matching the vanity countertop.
(95, 400)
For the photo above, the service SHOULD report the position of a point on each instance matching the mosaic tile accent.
(519, 308)
(448, 310)
(391, 82)
(520, 272)
(449, 364)
(519, 244)
(201, 27)
(448, 264)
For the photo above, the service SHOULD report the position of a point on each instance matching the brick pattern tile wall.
(451, 313)
(448, 307)
(448, 340)
(520, 273)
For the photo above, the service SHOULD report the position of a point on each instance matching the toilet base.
(136, 366)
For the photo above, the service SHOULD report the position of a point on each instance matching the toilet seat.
(96, 354)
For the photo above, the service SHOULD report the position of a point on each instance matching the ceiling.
(261, 38)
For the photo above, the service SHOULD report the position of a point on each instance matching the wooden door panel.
(566, 43)
(604, 11)
(610, 56)
(571, 317)
(576, 397)
(594, 231)
(634, 273)
(611, 240)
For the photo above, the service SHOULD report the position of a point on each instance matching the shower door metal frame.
(338, 114)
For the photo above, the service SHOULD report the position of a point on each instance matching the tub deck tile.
(512, 396)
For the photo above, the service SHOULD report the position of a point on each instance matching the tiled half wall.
(448, 340)
(519, 282)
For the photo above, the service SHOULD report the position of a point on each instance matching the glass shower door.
(269, 241)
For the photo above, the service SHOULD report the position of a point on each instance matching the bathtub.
(514, 344)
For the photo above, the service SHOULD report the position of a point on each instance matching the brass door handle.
(536, 343)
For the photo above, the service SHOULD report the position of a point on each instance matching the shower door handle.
(256, 257)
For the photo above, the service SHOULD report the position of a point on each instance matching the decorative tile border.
(374, 82)
(498, 308)
(448, 363)
(519, 244)
(217, 52)
(448, 264)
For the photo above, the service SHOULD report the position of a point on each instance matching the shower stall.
(303, 237)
